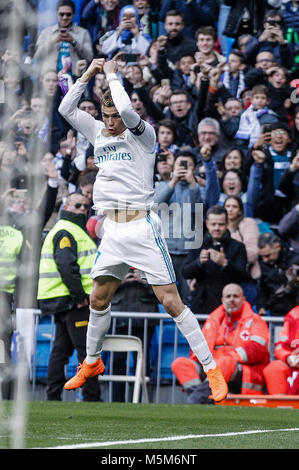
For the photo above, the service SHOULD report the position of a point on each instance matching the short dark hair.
(66, 3)
(271, 14)
(217, 210)
(281, 125)
(169, 123)
(207, 31)
(186, 151)
(238, 54)
(179, 91)
(268, 238)
(90, 100)
(174, 12)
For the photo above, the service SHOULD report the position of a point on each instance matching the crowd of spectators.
(218, 80)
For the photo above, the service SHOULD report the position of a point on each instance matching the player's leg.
(100, 315)
(98, 325)
(188, 325)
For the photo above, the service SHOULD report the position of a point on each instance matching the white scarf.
(227, 82)
(249, 127)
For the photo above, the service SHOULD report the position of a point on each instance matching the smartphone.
(184, 164)
(130, 57)
(217, 246)
(266, 128)
(20, 194)
(165, 82)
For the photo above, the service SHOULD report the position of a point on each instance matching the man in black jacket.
(279, 282)
(64, 286)
(175, 44)
(219, 261)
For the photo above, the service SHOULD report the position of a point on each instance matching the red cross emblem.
(245, 335)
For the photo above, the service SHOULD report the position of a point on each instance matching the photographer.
(271, 40)
(270, 159)
(219, 261)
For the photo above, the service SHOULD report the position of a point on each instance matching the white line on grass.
(166, 439)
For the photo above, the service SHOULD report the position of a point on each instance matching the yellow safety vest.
(50, 284)
(11, 241)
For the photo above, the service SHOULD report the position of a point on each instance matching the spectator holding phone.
(127, 37)
(272, 40)
(183, 191)
(65, 42)
(271, 156)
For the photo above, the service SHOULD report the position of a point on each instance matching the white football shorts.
(139, 244)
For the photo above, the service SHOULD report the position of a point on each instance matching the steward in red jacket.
(238, 339)
(282, 375)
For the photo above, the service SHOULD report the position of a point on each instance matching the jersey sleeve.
(142, 130)
(78, 119)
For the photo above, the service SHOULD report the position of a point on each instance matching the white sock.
(189, 327)
(98, 325)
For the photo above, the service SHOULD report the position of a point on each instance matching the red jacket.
(247, 340)
(289, 336)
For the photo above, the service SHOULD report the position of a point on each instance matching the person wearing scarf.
(128, 36)
(256, 115)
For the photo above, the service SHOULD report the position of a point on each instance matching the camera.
(196, 69)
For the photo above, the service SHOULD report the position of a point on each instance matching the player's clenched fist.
(110, 67)
(95, 67)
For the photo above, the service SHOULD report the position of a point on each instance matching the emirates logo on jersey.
(244, 335)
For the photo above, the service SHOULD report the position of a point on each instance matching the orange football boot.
(84, 371)
(217, 384)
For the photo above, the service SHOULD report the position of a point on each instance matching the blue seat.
(167, 353)
(43, 349)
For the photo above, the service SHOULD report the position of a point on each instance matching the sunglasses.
(64, 14)
(78, 205)
(274, 22)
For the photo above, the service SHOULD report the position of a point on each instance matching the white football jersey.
(126, 162)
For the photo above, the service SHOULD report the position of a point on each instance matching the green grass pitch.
(71, 425)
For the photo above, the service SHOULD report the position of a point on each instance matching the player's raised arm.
(139, 128)
(68, 108)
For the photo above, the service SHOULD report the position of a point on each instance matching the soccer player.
(124, 151)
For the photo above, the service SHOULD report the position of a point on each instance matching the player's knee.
(170, 304)
(98, 301)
